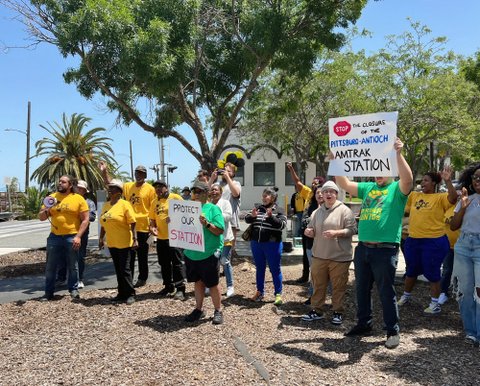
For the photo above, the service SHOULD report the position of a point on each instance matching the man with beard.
(169, 258)
(68, 215)
(141, 195)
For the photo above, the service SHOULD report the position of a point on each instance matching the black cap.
(160, 182)
(200, 185)
(186, 189)
(141, 168)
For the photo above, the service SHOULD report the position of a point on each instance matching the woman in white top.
(466, 266)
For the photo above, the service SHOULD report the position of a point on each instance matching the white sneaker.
(230, 292)
(442, 299)
(403, 300)
(80, 284)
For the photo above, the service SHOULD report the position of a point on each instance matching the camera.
(220, 171)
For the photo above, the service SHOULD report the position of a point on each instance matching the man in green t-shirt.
(379, 234)
(203, 267)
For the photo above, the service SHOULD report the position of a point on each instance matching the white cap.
(329, 185)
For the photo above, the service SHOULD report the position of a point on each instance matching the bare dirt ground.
(94, 342)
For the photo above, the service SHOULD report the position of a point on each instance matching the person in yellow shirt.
(68, 214)
(141, 195)
(170, 259)
(427, 244)
(118, 224)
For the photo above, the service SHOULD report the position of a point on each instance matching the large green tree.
(413, 74)
(197, 62)
(73, 150)
(292, 112)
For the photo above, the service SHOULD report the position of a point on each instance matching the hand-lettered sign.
(184, 229)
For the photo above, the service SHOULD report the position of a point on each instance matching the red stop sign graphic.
(342, 128)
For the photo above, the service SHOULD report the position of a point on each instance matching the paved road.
(22, 235)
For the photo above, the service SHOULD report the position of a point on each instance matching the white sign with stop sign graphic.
(362, 145)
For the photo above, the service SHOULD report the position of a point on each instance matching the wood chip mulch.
(94, 342)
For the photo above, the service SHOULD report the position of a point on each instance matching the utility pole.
(131, 160)
(162, 158)
(27, 161)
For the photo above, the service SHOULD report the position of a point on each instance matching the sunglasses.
(476, 178)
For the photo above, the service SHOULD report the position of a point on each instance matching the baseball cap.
(141, 168)
(116, 183)
(200, 185)
(186, 189)
(160, 182)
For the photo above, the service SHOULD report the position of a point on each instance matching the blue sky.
(35, 75)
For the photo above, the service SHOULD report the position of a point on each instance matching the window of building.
(264, 174)
(288, 177)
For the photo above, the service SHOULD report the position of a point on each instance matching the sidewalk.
(101, 274)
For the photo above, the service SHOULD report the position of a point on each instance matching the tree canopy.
(413, 75)
(197, 62)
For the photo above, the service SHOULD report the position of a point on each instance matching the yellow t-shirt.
(116, 221)
(141, 199)
(427, 213)
(452, 235)
(159, 213)
(65, 215)
(306, 193)
(299, 203)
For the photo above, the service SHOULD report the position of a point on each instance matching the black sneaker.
(168, 290)
(302, 280)
(140, 283)
(195, 315)
(359, 330)
(337, 318)
(46, 298)
(117, 299)
(217, 317)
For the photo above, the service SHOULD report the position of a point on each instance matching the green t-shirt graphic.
(382, 212)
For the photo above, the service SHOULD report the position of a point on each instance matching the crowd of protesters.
(443, 231)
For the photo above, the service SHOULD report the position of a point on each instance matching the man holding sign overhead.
(383, 203)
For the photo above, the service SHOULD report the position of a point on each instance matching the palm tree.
(74, 152)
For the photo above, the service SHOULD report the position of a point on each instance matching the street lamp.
(170, 169)
(27, 159)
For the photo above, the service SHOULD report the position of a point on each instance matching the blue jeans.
(227, 265)
(270, 252)
(447, 270)
(60, 248)
(466, 281)
(82, 254)
(376, 265)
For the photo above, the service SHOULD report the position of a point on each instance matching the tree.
(416, 76)
(31, 202)
(197, 62)
(292, 112)
(72, 151)
(413, 75)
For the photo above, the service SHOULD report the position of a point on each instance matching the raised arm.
(102, 165)
(296, 180)
(447, 177)
(405, 173)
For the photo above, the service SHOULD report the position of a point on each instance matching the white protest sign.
(363, 145)
(184, 229)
